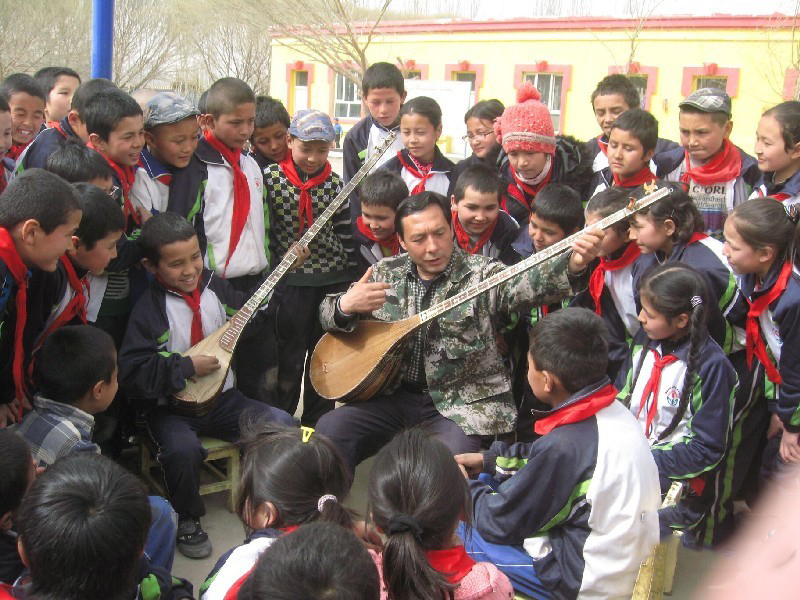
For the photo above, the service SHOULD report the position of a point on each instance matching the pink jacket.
(483, 582)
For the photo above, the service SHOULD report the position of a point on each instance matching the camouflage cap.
(312, 125)
(709, 100)
(167, 107)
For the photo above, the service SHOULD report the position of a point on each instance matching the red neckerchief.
(52, 124)
(305, 208)
(233, 591)
(725, 165)
(12, 259)
(642, 177)
(754, 342)
(421, 171)
(392, 243)
(126, 176)
(696, 237)
(597, 281)
(193, 302)
(241, 192)
(652, 387)
(462, 236)
(577, 411)
(603, 145)
(16, 150)
(76, 307)
(454, 563)
(527, 190)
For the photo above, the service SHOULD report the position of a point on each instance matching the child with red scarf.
(586, 532)
(6, 164)
(38, 216)
(27, 99)
(534, 156)
(380, 193)
(479, 225)
(299, 190)
(719, 175)
(631, 145)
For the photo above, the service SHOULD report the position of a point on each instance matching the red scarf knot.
(10, 256)
(193, 302)
(392, 243)
(454, 563)
(463, 239)
(754, 344)
(597, 281)
(305, 208)
(524, 191)
(577, 411)
(645, 175)
(725, 165)
(652, 388)
(602, 144)
(421, 171)
(126, 176)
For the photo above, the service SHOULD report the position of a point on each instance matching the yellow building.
(751, 57)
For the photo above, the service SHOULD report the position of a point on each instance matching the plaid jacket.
(54, 430)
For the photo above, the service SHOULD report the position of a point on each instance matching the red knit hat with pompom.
(526, 126)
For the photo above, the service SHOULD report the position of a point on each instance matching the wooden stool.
(217, 450)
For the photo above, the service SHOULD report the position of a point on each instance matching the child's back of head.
(569, 337)
(72, 360)
(16, 474)
(319, 560)
(416, 495)
(559, 204)
(293, 496)
(82, 529)
(383, 188)
(74, 162)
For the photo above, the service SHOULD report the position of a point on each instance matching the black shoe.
(192, 541)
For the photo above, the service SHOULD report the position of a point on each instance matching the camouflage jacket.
(465, 373)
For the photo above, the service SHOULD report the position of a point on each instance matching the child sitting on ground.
(59, 85)
(184, 304)
(778, 152)
(82, 531)
(276, 497)
(416, 496)
(319, 560)
(270, 140)
(71, 127)
(719, 175)
(384, 92)
(380, 193)
(631, 145)
(479, 225)
(39, 213)
(479, 120)
(614, 95)
(17, 473)
(588, 530)
(27, 99)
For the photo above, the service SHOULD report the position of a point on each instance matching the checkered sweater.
(332, 257)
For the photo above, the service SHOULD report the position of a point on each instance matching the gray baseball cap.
(167, 107)
(709, 100)
(312, 125)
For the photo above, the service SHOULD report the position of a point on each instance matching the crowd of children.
(132, 227)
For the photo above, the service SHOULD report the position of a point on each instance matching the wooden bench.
(220, 481)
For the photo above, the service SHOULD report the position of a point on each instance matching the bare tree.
(781, 67)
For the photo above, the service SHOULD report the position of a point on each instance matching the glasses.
(476, 137)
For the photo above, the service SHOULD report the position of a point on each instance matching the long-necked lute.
(199, 395)
(355, 366)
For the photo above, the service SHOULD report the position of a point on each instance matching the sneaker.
(192, 541)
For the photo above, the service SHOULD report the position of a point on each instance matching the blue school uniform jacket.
(47, 142)
(716, 201)
(203, 193)
(160, 176)
(359, 145)
(8, 319)
(787, 192)
(727, 316)
(701, 439)
(441, 168)
(582, 500)
(151, 367)
(779, 326)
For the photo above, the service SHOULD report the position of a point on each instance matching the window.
(413, 75)
(717, 83)
(640, 83)
(549, 86)
(470, 77)
(347, 102)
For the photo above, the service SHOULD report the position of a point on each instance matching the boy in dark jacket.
(270, 140)
(381, 194)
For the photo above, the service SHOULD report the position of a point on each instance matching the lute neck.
(536, 259)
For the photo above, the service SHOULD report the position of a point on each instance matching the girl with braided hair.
(681, 387)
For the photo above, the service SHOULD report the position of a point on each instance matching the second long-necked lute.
(199, 395)
(357, 365)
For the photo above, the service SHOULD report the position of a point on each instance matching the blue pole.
(102, 38)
